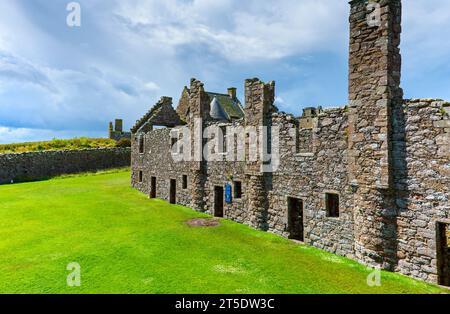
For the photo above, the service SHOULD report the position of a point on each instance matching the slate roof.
(217, 112)
(232, 107)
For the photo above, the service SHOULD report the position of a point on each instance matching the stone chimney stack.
(374, 90)
(199, 100)
(199, 106)
(259, 99)
(232, 92)
(119, 125)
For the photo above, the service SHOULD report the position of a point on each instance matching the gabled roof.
(232, 107)
(161, 114)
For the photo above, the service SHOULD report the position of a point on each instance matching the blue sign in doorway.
(228, 198)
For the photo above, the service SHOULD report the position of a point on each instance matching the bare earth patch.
(203, 222)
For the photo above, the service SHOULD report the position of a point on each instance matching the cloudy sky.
(57, 81)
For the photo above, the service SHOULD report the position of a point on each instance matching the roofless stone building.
(370, 181)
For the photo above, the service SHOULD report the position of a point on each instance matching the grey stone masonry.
(115, 131)
(369, 181)
(374, 90)
(39, 165)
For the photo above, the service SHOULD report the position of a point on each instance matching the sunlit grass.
(126, 243)
(56, 144)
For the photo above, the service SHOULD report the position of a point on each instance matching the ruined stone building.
(370, 181)
(115, 131)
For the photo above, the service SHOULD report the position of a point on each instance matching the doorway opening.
(295, 219)
(153, 187)
(443, 253)
(173, 191)
(218, 201)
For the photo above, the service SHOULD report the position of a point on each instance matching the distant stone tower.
(115, 132)
(118, 125)
(110, 130)
(374, 90)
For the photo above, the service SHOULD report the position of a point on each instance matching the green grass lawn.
(126, 243)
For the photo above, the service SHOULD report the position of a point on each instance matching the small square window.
(332, 204)
(185, 182)
(141, 177)
(237, 189)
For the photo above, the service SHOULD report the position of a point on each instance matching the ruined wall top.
(198, 100)
(259, 100)
(161, 114)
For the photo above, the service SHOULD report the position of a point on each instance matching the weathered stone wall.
(309, 175)
(259, 100)
(117, 136)
(199, 109)
(304, 175)
(183, 105)
(39, 165)
(421, 186)
(387, 159)
(156, 161)
(424, 187)
(219, 172)
(116, 132)
(374, 90)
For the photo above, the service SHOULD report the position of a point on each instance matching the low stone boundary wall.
(39, 165)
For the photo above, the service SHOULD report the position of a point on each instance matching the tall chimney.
(232, 92)
(374, 91)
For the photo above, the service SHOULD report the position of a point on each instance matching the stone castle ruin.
(369, 181)
(115, 131)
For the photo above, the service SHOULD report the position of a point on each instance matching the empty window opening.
(235, 147)
(185, 182)
(295, 219)
(218, 201)
(173, 191)
(297, 139)
(267, 140)
(180, 143)
(153, 187)
(443, 253)
(237, 189)
(141, 144)
(224, 139)
(141, 177)
(176, 141)
(332, 204)
(173, 143)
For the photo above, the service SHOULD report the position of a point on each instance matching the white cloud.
(61, 99)
(151, 86)
(425, 36)
(129, 53)
(238, 30)
(19, 70)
